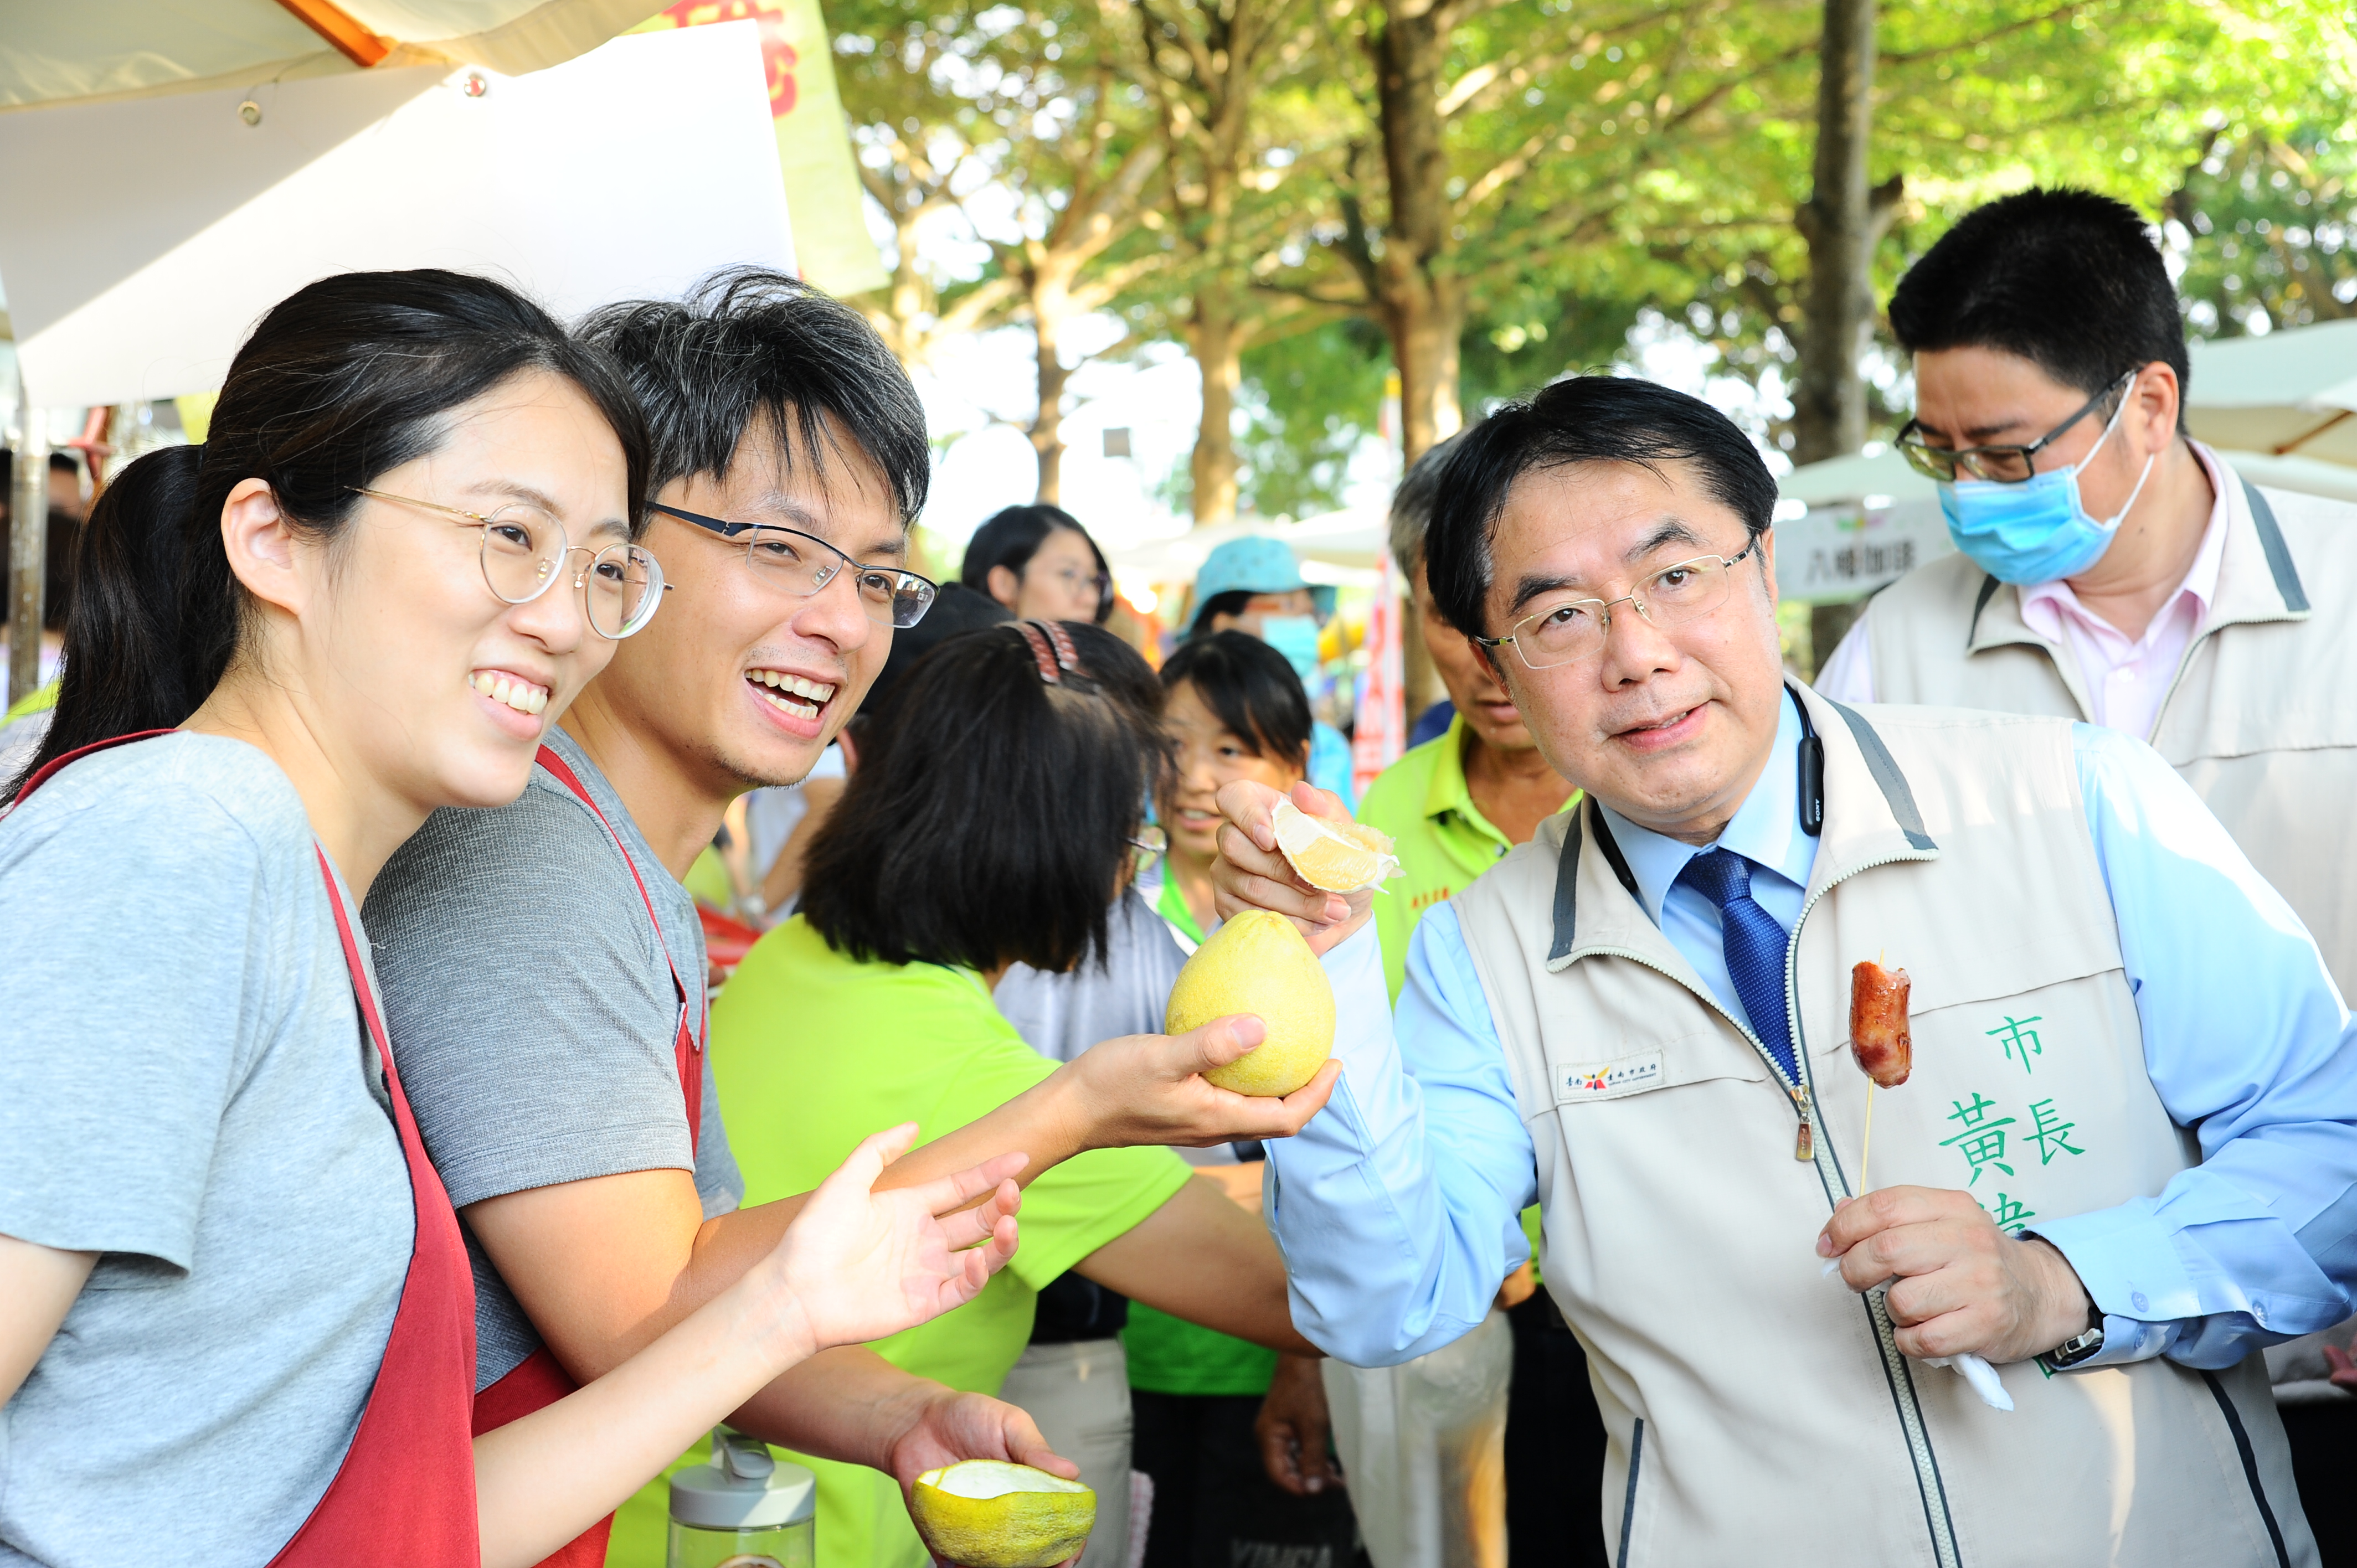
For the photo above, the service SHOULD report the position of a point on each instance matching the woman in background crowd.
(1040, 562)
(990, 823)
(357, 602)
(1233, 709)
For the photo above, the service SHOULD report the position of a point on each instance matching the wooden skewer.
(1866, 1150)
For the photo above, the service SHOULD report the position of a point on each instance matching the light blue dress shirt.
(1397, 1206)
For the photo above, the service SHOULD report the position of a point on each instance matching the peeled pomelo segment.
(1335, 857)
(987, 1513)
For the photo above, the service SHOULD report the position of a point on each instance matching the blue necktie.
(1755, 946)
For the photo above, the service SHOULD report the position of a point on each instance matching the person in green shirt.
(989, 823)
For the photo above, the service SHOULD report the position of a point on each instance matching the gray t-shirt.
(186, 1088)
(532, 1014)
(1060, 1015)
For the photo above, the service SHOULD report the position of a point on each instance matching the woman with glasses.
(236, 1311)
(1041, 564)
(990, 823)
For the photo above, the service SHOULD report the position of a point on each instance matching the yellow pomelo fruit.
(1258, 964)
(987, 1513)
(1339, 857)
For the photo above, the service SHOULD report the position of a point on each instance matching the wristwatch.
(2074, 1351)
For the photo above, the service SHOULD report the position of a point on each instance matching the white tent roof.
(2288, 393)
(568, 181)
(58, 52)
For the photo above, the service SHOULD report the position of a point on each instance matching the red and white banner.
(1381, 729)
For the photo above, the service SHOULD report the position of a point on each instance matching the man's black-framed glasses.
(1999, 465)
(801, 563)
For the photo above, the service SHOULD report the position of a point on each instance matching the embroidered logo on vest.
(1610, 1080)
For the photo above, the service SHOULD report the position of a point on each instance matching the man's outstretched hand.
(1960, 1285)
(1252, 872)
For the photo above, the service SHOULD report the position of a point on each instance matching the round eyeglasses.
(801, 563)
(1573, 629)
(523, 555)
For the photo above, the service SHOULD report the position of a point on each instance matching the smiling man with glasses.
(2118, 1170)
(542, 966)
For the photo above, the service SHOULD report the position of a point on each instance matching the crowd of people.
(390, 1172)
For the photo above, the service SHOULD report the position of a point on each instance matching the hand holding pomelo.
(1258, 964)
(988, 1513)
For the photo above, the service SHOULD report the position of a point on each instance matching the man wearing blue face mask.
(1255, 586)
(2116, 570)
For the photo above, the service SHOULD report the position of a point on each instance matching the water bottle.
(743, 1509)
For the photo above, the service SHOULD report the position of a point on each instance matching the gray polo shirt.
(534, 1015)
(185, 1090)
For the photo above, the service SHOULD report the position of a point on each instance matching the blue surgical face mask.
(1296, 636)
(2038, 530)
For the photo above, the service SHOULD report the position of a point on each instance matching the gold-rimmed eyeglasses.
(523, 555)
(1572, 630)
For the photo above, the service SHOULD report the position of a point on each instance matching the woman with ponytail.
(236, 1313)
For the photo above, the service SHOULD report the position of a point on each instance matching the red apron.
(404, 1496)
(538, 1381)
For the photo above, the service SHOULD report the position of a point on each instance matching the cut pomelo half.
(987, 1513)
(1338, 857)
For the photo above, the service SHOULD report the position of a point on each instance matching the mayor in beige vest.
(2123, 1162)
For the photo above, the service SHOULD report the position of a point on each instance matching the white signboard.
(146, 235)
(1847, 549)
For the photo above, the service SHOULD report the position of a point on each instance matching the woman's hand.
(1252, 872)
(1150, 1089)
(860, 1265)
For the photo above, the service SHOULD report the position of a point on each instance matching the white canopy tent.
(2288, 396)
(631, 170)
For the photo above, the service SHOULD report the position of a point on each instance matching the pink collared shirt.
(2126, 679)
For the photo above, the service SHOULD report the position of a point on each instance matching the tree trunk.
(1047, 430)
(1828, 399)
(1217, 342)
(1422, 306)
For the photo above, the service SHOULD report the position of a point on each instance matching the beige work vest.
(2260, 719)
(1757, 1412)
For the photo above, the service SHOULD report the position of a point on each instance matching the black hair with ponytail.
(343, 381)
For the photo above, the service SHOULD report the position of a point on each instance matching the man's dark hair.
(1014, 534)
(2067, 279)
(1250, 688)
(746, 343)
(1412, 504)
(993, 826)
(1580, 419)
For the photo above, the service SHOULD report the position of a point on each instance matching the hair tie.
(1044, 636)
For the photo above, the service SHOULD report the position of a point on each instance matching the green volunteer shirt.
(1442, 841)
(813, 1050)
(1441, 837)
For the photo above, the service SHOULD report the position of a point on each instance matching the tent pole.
(29, 528)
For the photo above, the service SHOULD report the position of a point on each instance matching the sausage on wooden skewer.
(1878, 1024)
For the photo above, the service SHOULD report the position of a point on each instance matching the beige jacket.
(2260, 720)
(1757, 1412)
